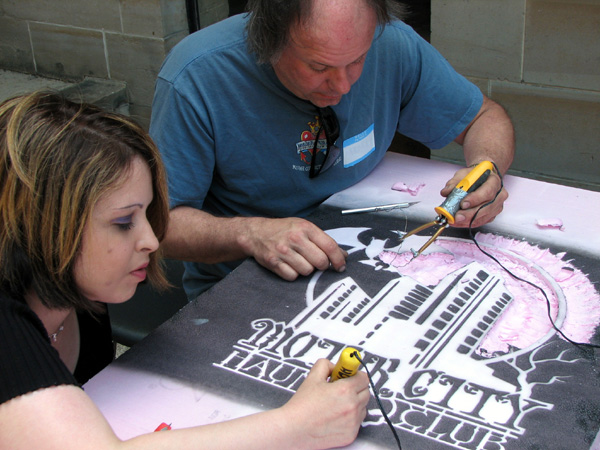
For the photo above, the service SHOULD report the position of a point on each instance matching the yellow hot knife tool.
(448, 209)
(347, 365)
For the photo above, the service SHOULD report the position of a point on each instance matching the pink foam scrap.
(554, 223)
(412, 189)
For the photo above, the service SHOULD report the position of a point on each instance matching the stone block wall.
(122, 40)
(540, 59)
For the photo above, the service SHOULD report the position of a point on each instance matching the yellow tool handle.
(347, 365)
(468, 184)
(476, 177)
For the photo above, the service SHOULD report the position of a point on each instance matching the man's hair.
(269, 24)
(57, 159)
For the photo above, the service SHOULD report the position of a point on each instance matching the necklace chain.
(54, 336)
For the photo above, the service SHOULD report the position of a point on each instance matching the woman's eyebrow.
(133, 205)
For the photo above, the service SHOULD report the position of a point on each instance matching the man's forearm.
(288, 246)
(490, 136)
(195, 235)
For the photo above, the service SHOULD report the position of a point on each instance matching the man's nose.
(340, 81)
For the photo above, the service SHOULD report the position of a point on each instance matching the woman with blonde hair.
(84, 205)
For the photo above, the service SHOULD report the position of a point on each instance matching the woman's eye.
(125, 226)
(124, 223)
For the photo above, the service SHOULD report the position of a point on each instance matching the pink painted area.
(412, 189)
(525, 321)
(427, 269)
(550, 223)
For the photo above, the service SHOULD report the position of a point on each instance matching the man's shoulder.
(399, 43)
(219, 38)
(397, 33)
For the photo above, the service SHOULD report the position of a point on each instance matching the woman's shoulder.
(13, 312)
(28, 360)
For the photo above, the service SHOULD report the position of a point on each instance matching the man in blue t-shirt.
(261, 117)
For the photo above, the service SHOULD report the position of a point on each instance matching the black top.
(27, 360)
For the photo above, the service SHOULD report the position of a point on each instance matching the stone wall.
(540, 59)
(124, 40)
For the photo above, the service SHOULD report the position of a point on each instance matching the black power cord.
(376, 395)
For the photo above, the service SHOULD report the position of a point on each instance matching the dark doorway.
(419, 16)
(236, 7)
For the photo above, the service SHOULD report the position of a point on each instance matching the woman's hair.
(57, 159)
(268, 27)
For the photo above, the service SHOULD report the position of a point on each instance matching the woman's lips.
(140, 272)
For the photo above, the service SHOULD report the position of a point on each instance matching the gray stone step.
(108, 94)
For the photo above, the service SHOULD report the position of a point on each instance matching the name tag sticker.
(359, 147)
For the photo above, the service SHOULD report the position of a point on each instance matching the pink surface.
(135, 403)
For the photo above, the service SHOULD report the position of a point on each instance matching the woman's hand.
(327, 414)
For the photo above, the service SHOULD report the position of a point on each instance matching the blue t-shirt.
(236, 142)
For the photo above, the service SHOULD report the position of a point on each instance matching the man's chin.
(322, 101)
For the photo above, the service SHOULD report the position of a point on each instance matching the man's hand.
(291, 247)
(472, 202)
